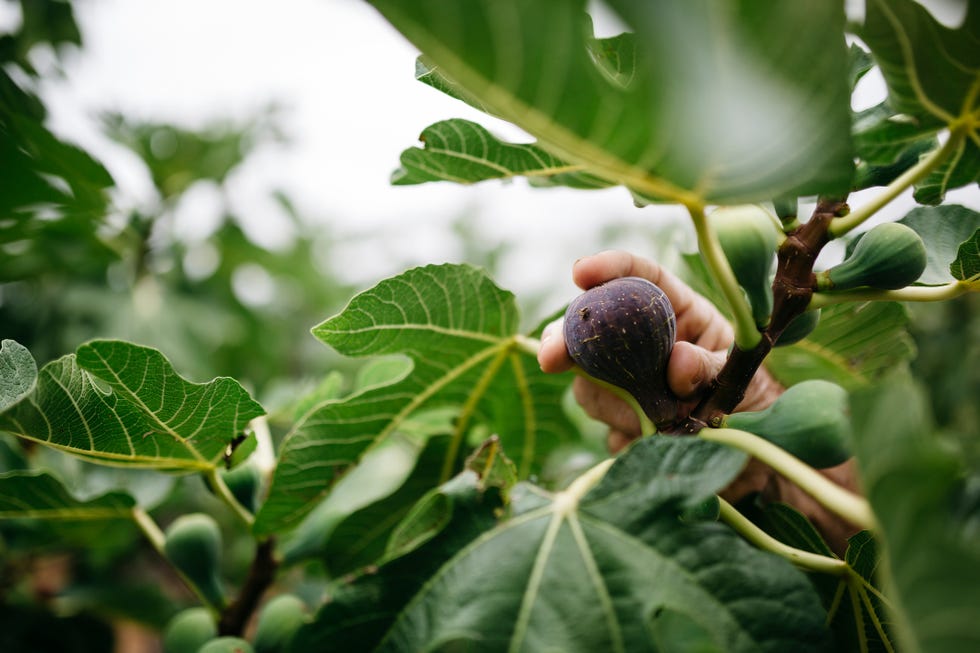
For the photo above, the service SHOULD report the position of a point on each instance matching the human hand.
(703, 339)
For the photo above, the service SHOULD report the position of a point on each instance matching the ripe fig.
(749, 239)
(810, 421)
(622, 332)
(193, 545)
(888, 257)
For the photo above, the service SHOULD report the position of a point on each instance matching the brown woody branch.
(261, 574)
(792, 290)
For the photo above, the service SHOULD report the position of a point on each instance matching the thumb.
(691, 369)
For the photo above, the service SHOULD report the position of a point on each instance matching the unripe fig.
(193, 545)
(227, 645)
(622, 332)
(244, 482)
(189, 630)
(810, 421)
(279, 620)
(799, 328)
(888, 257)
(748, 237)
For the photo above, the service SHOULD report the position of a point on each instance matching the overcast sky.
(350, 105)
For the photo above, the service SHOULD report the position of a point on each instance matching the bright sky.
(345, 81)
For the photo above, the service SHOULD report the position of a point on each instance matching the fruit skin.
(189, 630)
(227, 645)
(193, 544)
(244, 482)
(810, 421)
(799, 328)
(749, 239)
(279, 620)
(888, 257)
(622, 332)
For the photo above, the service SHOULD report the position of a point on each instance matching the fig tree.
(810, 420)
(888, 257)
(193, 545)
(622, 332)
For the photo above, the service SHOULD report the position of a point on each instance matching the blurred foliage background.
(73, 267)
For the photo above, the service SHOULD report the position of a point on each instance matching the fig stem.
(842, 225)
(845, 504)
(908, 294)
(802, 559)
(747, 334)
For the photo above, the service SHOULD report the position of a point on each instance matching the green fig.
(279, 620)
(244, 482)
(189, 630)
(749, 239)
(622, 332)
(810, 420)
(799, 328)
(193, 545)
(888, 257)
(227, 645)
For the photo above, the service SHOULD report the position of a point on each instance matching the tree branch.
(261, 574)
(792, 290)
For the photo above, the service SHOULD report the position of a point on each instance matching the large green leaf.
(32, 495)
(931, 70)
(118, 403)
(944, 229)
(460, 332)
(587, 573)
(464, 152)
(915, 483)
(853, 345)
(18, 373)
(701, 109)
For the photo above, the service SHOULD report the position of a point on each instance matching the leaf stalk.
(846, 504)
(802, 559)
(747, 334)
(844, 224)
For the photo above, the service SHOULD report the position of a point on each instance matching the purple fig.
(622, 332)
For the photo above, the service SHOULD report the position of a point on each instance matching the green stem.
(908, 294)
(802, 559)
(746, 333)
(222, 491)
(841, 502)
(150, 529)
(531, 346)
(842, 225)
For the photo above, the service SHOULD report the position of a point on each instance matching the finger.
(691, 369)
(698, 321)
(552, 354)
(763, 390)
(604, 406)
(616, 440)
